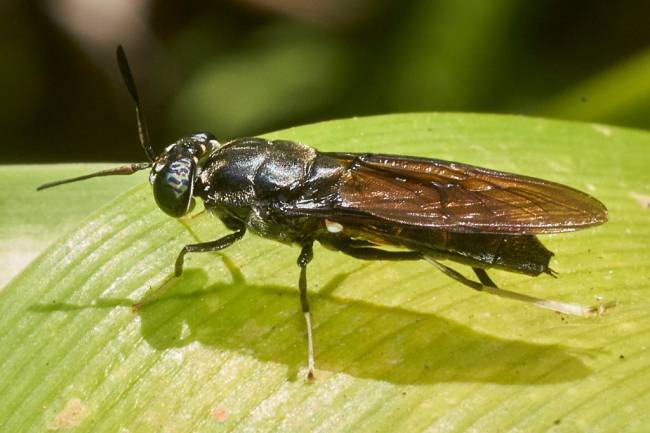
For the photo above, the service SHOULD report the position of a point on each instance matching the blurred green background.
(250, 66)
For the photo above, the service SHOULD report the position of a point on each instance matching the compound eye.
(173, 186)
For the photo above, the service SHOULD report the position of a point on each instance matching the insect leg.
(306, 254)
(203, 247)
(560, 307)
(484, 277)
(369, 253)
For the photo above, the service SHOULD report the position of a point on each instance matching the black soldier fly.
(429, 209)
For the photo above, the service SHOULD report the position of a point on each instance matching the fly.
(355, 203)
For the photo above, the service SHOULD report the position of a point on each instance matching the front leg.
(204, 247)
(306, 254)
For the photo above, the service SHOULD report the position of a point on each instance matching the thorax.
(250, 180)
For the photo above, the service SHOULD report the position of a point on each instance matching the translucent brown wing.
(459, 197)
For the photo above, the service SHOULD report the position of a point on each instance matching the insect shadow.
(378, 342)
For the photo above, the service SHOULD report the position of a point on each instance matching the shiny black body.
(423, 209)
(274, 188)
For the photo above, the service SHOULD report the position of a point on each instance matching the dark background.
(245, 67)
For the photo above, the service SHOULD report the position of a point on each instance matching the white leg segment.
(310, 347)
(560, 307)
(549, 304)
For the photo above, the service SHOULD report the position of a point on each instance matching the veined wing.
(457, 197)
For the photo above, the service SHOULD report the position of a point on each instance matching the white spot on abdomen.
(333, 227)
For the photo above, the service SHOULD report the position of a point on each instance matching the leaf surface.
(95, 336)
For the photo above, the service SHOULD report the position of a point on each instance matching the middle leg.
(306, 254)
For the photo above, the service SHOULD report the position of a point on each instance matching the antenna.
(143, 133)
(123, 170)
(127, 76)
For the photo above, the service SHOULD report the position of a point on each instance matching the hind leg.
(487, 285)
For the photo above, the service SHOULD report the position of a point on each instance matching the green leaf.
(31, 220)
(95, 336)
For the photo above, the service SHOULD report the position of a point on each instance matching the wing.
(456, 197)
